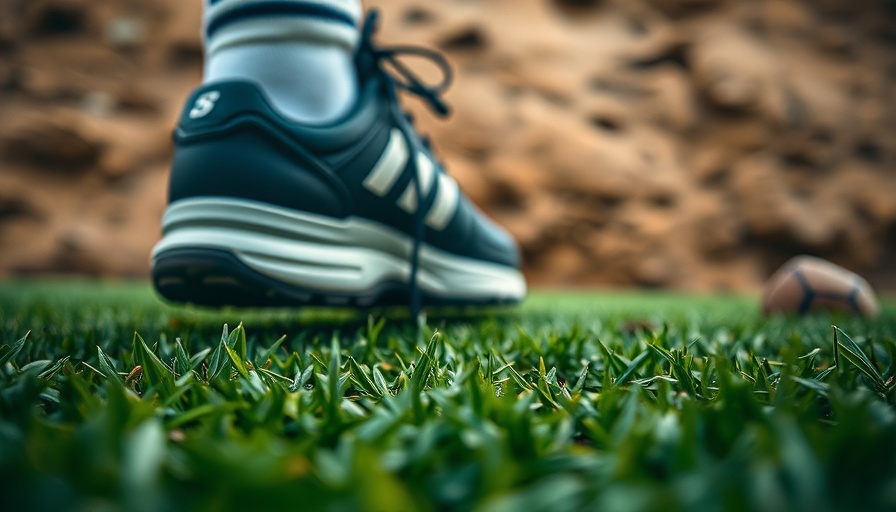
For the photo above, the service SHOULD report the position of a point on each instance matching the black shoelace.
(401, 78)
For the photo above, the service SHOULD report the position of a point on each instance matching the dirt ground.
(686, 144)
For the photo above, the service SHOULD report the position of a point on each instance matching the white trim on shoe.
(328, 254)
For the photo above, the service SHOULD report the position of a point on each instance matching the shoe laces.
(386, 57)
(397, 76)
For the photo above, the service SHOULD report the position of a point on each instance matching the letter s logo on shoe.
(204, 104)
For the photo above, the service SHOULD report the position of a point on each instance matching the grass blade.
(851, 351)
(8, 353)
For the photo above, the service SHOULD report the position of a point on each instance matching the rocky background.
(691, 144)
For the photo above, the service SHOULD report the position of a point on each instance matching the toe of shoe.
(496, 243)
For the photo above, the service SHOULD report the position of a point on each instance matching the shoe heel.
(212, 277)
(216, 278)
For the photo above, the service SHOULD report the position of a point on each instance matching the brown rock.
(117, 162)
(9, 32)
(674, 103)
(564, 263)
(138, 99)
(737, 72)
(818, 139)
(654, 270)
(125, 32)
(772, 212)
(470, 178)
(684, 7)
(467, 38)
(717, 228)
(53, 144)
(56, 17)
(15, 206)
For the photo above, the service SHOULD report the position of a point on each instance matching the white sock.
(301, 53)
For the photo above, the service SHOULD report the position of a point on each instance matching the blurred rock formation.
(692, 144)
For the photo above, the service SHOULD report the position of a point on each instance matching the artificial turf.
(575, 401)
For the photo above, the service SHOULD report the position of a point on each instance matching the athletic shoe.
(264, 211)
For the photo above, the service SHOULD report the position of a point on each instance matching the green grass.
(577, 401)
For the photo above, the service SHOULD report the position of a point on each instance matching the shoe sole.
(217, 252)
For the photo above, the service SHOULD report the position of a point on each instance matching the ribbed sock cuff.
(231, 22)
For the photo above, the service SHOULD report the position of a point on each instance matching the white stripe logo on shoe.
(425, 175)
(445, 204)
(388, 169)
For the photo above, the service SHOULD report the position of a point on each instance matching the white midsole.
(327, 254)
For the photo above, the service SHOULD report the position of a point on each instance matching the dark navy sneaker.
(265, 211)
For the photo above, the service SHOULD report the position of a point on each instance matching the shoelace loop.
(404, 78)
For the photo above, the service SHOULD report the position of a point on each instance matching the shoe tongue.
(369, 72)
(365, 62)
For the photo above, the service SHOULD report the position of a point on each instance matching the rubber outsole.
(217, 278)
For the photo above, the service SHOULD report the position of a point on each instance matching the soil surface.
(688, 144)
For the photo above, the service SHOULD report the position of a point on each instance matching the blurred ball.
(805, 284)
